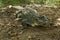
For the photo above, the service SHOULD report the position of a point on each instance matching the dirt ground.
(12, 30)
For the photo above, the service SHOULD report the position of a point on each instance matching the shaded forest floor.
(12, 30)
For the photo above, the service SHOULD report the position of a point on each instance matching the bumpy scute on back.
(30, 16)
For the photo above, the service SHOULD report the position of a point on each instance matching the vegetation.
(19, 2)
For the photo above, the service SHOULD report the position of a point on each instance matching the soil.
(13, 30)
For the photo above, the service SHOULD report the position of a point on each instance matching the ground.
(12, 30)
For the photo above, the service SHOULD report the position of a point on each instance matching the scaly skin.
(30, 16)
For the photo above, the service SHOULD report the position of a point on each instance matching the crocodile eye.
(43, 18)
